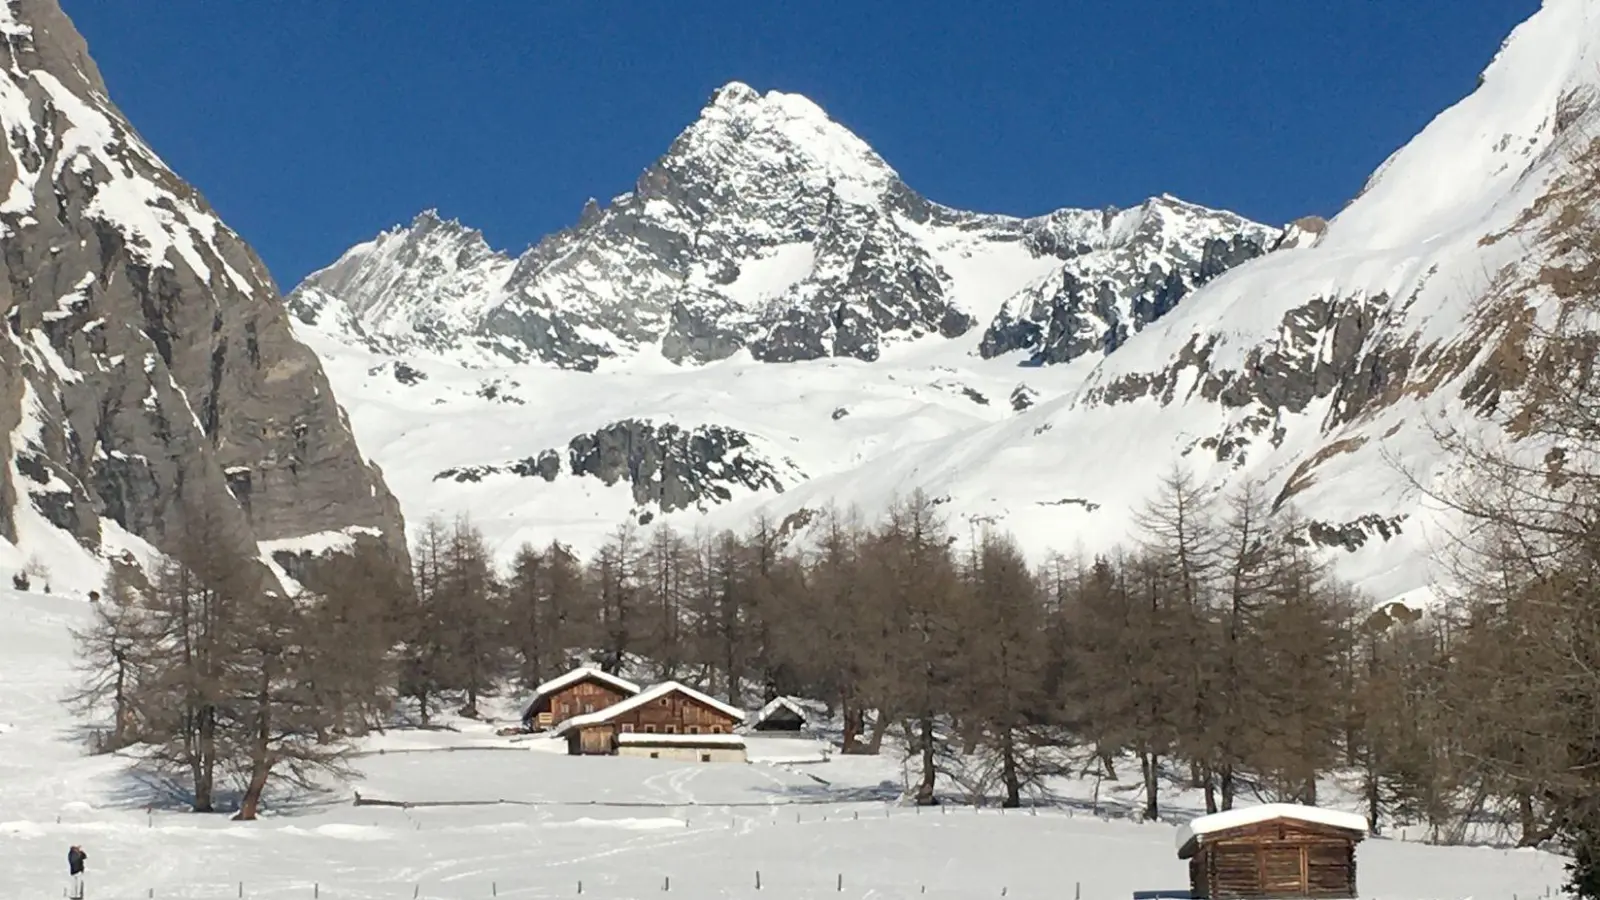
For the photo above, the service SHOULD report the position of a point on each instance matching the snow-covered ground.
(622, 828)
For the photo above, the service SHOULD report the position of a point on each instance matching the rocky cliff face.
(147, 364)
(1121, 276)
(770, 228)
(666, 468)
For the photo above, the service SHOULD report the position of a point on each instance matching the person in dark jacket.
(75, 860)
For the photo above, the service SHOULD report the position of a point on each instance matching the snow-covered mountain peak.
(766, 227)
(745, 135)
(422, 283)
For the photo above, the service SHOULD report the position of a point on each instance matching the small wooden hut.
(1274, 851)
(782, 714)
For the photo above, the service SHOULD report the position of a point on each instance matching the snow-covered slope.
(147, 366)
(1039, 375)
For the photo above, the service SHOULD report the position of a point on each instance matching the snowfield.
(622, 828)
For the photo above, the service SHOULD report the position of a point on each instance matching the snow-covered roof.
(1251, 815)
(694, 740)
(575, 676)
(781, 703)
(638, 700)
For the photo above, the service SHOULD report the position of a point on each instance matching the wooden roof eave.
(1233, 835)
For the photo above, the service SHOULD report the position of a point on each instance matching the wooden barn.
(1274, 851)
(675, 713)
(577, 693)
(782, 714)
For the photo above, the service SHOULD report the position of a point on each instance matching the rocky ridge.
(771, 229)
(148, 368)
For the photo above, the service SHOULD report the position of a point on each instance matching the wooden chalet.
(577, 693)
(782, 714)
(1274, 851)
(668, 721)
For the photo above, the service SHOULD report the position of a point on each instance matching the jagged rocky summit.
(772, 322)
(147, 364)
(771, 229)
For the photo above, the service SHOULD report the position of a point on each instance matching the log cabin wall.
(675, 714)
(1276, 859)
(581, 698)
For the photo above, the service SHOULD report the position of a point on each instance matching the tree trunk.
(880, 730)
(1109, 764)
(261, 749)
(1150, 766)
(259, 770)
(1374, 802)
(925, 790)
(1534, 833)
(1229, 786)
(1008, 770)
(854, 723)
(120, 728)
(205, 763)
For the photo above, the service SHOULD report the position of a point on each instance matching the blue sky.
(312, 124)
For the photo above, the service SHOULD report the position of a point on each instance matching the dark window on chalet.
(672, 729)
(705, 757)
(663, 701)
(655, 756)
(649, 729)
(716, 729)
(693, 729)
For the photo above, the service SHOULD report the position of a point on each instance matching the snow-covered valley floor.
(621, 828)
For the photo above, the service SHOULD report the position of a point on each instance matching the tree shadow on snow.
(138, 787)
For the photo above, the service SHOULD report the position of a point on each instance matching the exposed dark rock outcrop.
(671, 468)
(667, 467)
(1108, 291)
